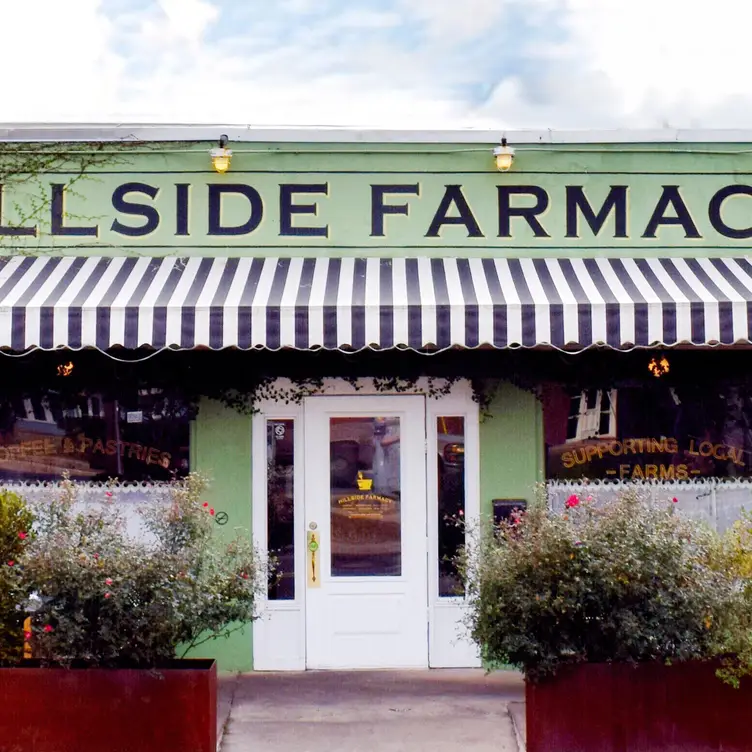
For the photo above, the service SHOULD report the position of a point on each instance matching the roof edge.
(102, 132)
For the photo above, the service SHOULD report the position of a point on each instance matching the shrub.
(629, 580)
(733, 625)
(16, 522)
(104, 597)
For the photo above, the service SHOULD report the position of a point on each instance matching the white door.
(365, 519)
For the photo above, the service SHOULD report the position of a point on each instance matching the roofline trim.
(145, 132)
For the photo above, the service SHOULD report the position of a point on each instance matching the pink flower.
(27, 636)
(11, 563)
(108, 595)
(675, 500)
(205, 504)
(211, 512)
(22, 536)
(48, 628)
(572, 501)
(108, 581)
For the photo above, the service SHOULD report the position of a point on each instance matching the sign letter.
(453, 195)
(716, 205)
(216, 191)
(671, 197)
(57, 220)
(15, 231)
(528, 213)
(615, 202)
(287, 208)
(149, 213)
(379, 209)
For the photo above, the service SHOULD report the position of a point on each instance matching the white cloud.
(400, 63)
(188, 19)
(55, 61)
(640, 63)
(455, 20)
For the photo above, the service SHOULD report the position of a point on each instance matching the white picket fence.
(718, 502)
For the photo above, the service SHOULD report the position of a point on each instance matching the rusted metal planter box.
(172, 709)
(647, 708)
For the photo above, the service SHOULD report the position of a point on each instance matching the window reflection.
(138, 436)
(365, 487)
(280, 495)
(649, 432)
(451, 468)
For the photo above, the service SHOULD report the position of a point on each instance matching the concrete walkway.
(386, 711)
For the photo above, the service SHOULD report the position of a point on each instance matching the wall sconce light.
(504, 156)
(221, 156)
(659, 367)
(65, 369)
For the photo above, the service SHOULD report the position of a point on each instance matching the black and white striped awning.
(352, 303)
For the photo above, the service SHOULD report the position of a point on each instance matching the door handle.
(314, 563)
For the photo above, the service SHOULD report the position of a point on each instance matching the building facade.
(366, 339)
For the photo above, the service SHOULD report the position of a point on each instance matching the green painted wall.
(221, 449)
(340, 202)
(511, 447)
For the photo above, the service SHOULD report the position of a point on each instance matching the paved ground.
(369, 711)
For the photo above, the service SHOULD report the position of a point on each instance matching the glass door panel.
(365, 498)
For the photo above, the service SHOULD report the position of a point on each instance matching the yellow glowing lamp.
(504, 156)
(221, 159)
(659, 367)
(221, 156)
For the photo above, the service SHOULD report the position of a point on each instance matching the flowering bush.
(629, 580)
(15, 525)
(104, 597)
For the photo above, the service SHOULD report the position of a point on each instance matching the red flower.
(211, 512)
(205, 504)
(108, 595)
(27, 636)
(245, 576)
(675, 500)
(22, 536)
(48, 628)
(11, 563)
(108, 581)
(572, 501)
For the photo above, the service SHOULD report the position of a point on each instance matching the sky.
(507, 64)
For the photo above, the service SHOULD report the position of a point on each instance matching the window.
(592, 414)
(450, 451)
(280, 500)
(141, 436)
(654, 431)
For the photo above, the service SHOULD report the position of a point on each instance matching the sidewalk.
(386, 711)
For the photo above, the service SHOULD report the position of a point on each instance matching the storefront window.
(649, 432)
(280, 497)
(451, 464)
(142, 436)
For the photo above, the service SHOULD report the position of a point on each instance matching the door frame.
(411, 586)
(279, 637)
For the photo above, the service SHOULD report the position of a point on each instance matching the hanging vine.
(26, 196)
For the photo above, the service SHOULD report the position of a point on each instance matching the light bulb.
(221, 159)
(504, 156)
